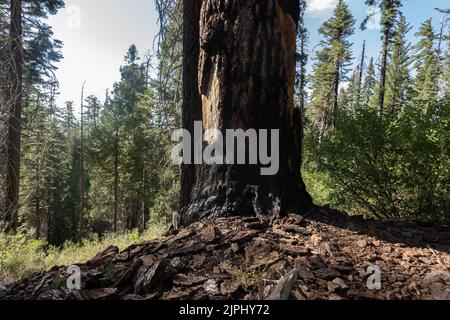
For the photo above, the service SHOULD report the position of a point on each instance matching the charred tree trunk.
(247, 81)
(361, 71)
(191, 97)
(132, 209)
(14, 102)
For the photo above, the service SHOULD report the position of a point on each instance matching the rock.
(283, 288)
(327, 273)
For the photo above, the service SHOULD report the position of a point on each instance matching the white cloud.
(320, 6)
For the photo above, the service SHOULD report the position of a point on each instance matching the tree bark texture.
(246, 80)
(14, 105)
(191, 96)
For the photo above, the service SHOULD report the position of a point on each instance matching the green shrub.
(393, 167)
(20, 255)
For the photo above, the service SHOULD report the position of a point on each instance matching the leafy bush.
(393, 167)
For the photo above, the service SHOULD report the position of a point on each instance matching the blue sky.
(97, 33)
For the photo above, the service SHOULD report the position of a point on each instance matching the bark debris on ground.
(323, 256)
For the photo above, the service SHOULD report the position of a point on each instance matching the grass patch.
(21, 256)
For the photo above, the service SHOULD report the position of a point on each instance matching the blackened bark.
(361, 71)
(14, 101)
(191, 97)
(247, 81)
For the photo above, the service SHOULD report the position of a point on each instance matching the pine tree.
(33, 52)
(331, 67)
(369, 85)
(398, 87)
(426, 86)
(389, 12)
(92, 113)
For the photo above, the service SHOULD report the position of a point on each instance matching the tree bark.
(82, 191)
(246, 80)
(14, 102)
(191, 97)
(361, 71)
(337, 77)
(116, 179)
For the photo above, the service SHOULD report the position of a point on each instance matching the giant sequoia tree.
(246, 79)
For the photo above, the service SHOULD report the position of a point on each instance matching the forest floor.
(328, 255)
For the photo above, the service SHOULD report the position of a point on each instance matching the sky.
(97, 33)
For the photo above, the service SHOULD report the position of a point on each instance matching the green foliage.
(20, 255)
(393, 168)
(331, 68)
(426, 87)
(398, 87)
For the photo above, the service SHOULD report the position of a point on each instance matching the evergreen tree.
(331, 67)
(398, 88)
(389, 12)
(426, 85)
(369, 85)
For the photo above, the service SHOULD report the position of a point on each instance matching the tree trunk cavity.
(246, 80)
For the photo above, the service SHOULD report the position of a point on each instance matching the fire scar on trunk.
(210, 103)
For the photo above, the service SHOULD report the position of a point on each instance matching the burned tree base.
(236, 192)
